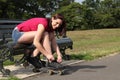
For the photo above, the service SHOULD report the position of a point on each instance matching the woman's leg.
(46, 44)
(27, 37)
(35, 52)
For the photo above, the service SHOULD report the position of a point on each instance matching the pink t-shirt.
(32, 25)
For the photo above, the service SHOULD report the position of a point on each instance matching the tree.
(20, 9)
(102, 14)
(109, 11)
(24, 9)
(72, 15)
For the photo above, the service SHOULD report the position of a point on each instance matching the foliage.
(91, 14)
(71, 14)
(104, 13)
(24, 9)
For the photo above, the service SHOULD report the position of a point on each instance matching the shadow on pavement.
(86, 68)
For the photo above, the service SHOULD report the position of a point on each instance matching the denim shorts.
(16, 34)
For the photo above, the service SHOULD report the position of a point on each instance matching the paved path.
(21, 72)
(101, 69)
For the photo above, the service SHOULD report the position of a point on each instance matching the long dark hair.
(62, 28)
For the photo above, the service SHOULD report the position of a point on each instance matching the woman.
(40, 32)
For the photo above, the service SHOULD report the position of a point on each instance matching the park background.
(93, 25)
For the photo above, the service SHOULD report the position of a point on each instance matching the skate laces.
(55, 64)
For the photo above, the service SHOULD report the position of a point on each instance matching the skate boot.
(55, 68)
(35, 62)
(54, 64)
(43, 63)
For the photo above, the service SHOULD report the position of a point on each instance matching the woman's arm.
(56, 48)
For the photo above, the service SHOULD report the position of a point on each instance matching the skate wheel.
(60, 72)
(50, 72)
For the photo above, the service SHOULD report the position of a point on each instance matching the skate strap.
(54, 64)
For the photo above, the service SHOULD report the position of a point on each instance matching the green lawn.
(90, 44)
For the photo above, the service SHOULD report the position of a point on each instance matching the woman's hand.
(59, 59)
(50, 57)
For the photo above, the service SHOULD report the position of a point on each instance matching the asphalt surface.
(106, 68)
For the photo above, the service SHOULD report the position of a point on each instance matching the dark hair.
(62, 28)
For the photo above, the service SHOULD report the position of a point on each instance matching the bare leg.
(46, 44)
(27, 37)
(35, 52)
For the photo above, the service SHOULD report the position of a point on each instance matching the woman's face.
(56, 23)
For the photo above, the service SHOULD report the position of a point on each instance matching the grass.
(11, 78)
(92, 44)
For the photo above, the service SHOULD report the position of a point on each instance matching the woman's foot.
(35, 62)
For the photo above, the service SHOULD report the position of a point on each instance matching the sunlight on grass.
(95, 43)
(11, 78)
